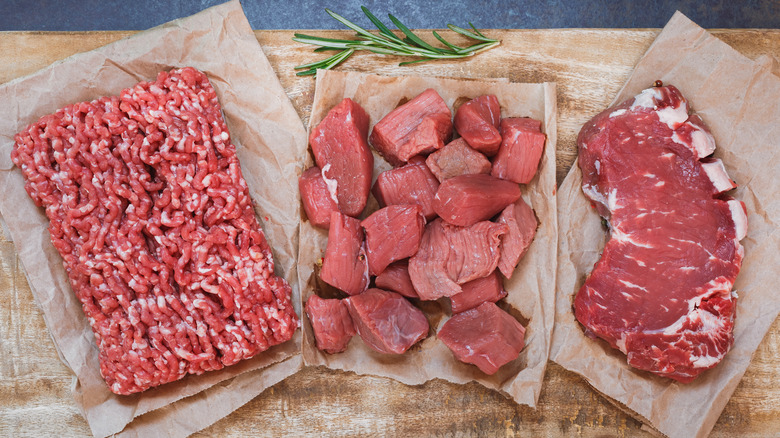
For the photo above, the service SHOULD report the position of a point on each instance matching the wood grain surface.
(589, 66)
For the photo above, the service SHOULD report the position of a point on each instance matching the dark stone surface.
(71, 15)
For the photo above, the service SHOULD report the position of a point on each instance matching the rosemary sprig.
(388, 43)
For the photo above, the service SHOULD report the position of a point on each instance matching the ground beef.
(153, 219)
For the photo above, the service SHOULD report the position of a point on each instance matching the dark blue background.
(71, 15)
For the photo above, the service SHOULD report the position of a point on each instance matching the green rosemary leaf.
(463, 31)
(355, 27)
(412, 38)
(416, 61)
(311, 39)
(447, 43)
(379, 25)
(327, 62)
(476, 30)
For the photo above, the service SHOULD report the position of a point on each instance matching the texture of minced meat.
(153, 220)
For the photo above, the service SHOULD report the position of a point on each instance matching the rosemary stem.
(388, 43)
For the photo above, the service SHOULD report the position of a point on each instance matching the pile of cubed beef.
(451, 218)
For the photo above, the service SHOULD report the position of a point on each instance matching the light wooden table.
(589, 66)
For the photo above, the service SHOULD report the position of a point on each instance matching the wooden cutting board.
(589, 66)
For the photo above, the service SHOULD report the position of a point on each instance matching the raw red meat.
(661, 292)
(392, 233)
(476, 292)
(410, 184)
(477, 121)
(396, 278)
(485, 336)
(521, 150)
(420, 126)
(345, 265)
(467, 199)
(522, 224)
(386, 322)
(153, 219)
(331, 323)
(457, 158)
(341, 151)
(450, 256)
(317, 201)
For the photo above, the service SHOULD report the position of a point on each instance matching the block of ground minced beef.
(153, 219)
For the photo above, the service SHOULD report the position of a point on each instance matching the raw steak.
(450, 256)
(318, 203)
(331, 323)
(476, 292)
(152, 217)
(386, 322)
(661, 292)
(345, 265)
(410, 184)
(341, 151)
(467, 199)
(521, 150)
(522, 224)
(396, 278)
(477, 121)
(392, 233)
(457, 158)
(420, 126)
(485, 336)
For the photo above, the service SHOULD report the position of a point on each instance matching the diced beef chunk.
(478, 291)
(331, 323)
(345, 266)
(477, 121)
(457, 158)
(392, 233)
(410, 184)
(467, 199)
(341, 151)
(450, 256)
(522, 224)
(521, 149)
(420, 126)
(485, 336)
(386, 321)
(396, 278)
(317, 200)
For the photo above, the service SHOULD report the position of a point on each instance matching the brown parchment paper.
(531, 290)
(740, 101)
(271, 144)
